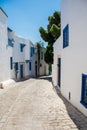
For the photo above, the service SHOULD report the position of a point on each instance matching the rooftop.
(3, 11)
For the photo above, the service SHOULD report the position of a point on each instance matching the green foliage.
(55, 31)
(50, 35)
(48, 54)
(44, 34)
(38, 46)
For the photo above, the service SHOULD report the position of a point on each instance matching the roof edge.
(9, 29)
(3, 12)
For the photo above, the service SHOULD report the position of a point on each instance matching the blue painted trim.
(30, 65)
(16, 64)
(59, 72)
(27, 61)
(66, 36)
(32, 51)
(84, 90)
(21, 71)
(11, 63)
(10, 43)
(22, 45)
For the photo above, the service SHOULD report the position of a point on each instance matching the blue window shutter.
(21, 48)
(84, 90)
(11, 63)
(22, 45)
(10, 43)
(32, 51)
(16, 65)
(66, 36)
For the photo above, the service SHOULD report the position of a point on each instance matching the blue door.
(59, 72)
(21, 71)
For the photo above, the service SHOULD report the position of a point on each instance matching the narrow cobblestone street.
(34, 105)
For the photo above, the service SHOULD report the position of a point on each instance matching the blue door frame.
(21, 71)
(59, 72)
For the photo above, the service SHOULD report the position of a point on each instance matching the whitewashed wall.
(22, 57)
(27, 51)
(7, 51)
(57, 54)
(17, 54)
(74, 63)
(11, 35)
(4, 53)
(43, 67)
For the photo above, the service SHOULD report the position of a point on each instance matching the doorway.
(35, 68)
(21, 71)
(59, 72)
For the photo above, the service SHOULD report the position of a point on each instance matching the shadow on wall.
(77, 117)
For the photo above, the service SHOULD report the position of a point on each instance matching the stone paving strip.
(34, 105)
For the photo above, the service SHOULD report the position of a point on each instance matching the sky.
(26, 16)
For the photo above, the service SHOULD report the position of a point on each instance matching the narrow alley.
(34, 105)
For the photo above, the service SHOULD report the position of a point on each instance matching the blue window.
(30, 65)
(32, 51)
(66, 36)
(16, 65)
(84, 90)
(22, 47)
(10, 42)
(11, 63)
(41, 55)
(27, 61)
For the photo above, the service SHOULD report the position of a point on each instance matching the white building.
(22, 56)
(43, 65)
(18, 56)
(70, 50)
(4, 51)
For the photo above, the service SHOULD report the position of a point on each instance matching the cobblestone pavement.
(34, 105)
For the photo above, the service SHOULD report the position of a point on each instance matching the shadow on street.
(49, 78)
(78, 118)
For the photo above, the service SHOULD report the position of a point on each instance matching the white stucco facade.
(73, 61)
(18, 56)
(15, 53)
(21, 56)
(43, 65)
(4, 51)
